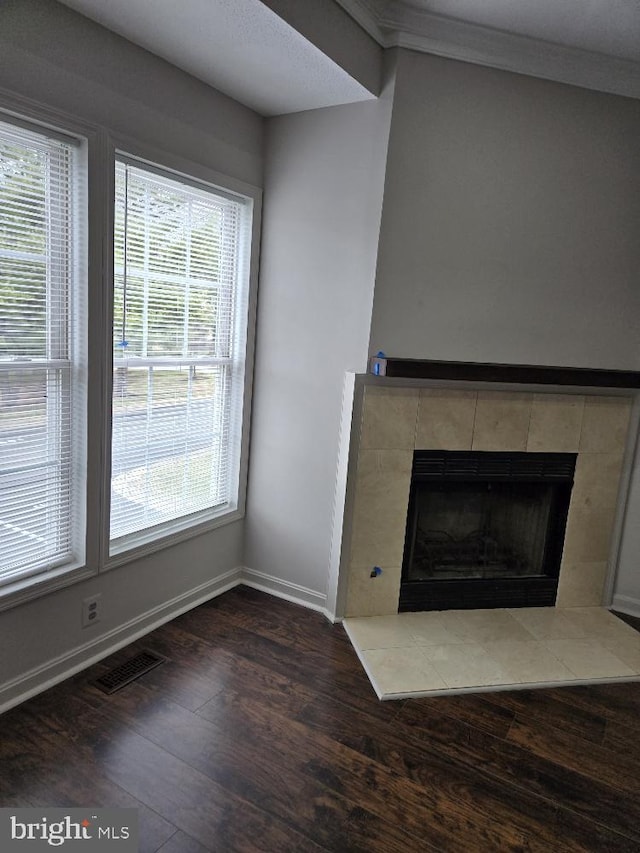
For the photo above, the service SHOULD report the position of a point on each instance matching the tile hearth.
(454, 651)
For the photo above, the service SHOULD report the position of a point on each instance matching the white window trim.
(24, 115)
(148, 157)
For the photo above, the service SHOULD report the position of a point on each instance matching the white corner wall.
(323, 195)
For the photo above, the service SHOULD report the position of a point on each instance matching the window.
(179, 338)
(88, 479)
(41, 368)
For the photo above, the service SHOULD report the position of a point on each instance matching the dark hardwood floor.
(261, 733)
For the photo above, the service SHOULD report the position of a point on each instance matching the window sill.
(22, 591)
(38, 586)
(135, 551)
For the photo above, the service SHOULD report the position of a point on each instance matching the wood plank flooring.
(261, 733)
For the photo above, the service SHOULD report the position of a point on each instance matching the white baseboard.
(54, 671)
(64, 666)
(286, 589)
(626, 604)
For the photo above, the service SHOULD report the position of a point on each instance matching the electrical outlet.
(91, 610)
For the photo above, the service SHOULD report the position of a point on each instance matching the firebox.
(485, 529)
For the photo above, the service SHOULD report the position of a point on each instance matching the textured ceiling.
(240, 47)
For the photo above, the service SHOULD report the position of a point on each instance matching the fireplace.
(392, 421)
(485, 529)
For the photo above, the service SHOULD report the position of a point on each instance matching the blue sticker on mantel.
(376, 571)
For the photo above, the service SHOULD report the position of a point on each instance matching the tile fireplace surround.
(398, 418)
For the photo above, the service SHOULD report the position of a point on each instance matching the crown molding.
(396, 24)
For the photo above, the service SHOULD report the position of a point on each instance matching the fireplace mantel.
(529, 374)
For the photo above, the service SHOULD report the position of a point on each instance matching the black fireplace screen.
(485, 529)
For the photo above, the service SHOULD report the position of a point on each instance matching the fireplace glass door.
(485, 529)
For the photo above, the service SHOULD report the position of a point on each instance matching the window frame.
(33, 584)
(165, 163)
(97, 189)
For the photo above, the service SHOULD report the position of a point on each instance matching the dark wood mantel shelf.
(529, 374)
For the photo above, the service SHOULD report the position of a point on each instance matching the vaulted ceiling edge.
(396, 24)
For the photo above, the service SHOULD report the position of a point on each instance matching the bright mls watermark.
(70, 829)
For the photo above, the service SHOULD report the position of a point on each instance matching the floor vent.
(128, 671)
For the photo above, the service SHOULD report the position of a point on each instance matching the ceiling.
(246, 50)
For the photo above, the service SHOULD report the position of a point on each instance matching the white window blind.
(180, 294)
(39, 409)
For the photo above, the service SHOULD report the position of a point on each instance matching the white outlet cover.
(91, 610)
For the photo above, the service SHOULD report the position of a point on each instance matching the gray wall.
(510, 221)
(337, 35)
(48, 629)
(323, 194)
(58, 58)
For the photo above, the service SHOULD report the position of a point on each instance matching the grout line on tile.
(475, 415)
